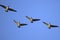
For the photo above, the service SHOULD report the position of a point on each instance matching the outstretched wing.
(23, 24)
(29, 18)
(36, 19)
(3, 6)
(14, 21)
(45, 23)
(11, 9)
(54, 26)
(18, 24)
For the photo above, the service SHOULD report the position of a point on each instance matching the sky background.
(46, 10)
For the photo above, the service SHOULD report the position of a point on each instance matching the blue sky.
(46, 10)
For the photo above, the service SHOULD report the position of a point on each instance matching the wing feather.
(11, 9)
(23, 24)
(36, 19)
(45, 23)
(54, 26)
(3, 6)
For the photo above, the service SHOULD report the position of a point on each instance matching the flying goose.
(7, 8)
(19, 24)
(31, 19)
(49, 25)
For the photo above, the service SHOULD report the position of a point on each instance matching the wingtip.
(43, 22)
(26, 16)
(15, 11)
(57, 26)
(14, 20)
(39, 19)
(26, 24)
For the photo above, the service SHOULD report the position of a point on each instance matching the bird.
(50, 25)
(7, 8)
(31, 19)
(19, 24)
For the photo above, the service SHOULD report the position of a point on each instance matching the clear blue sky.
(46, 10)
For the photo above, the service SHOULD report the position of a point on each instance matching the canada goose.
(19, 24)
(31, 19)
(49, 25)
(7, 8)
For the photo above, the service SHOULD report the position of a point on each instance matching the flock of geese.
(7, 8)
